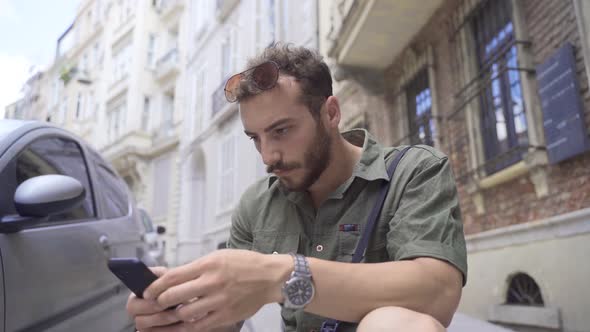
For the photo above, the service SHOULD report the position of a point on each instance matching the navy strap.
(361, 247)
(331, 325)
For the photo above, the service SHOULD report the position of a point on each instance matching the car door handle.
(104, 242)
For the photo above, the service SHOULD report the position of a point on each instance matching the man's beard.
(316, 160)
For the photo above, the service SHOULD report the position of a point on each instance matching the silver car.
(63, 213)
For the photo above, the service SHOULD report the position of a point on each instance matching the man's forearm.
(348, 292)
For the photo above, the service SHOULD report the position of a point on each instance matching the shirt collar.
(371, 166)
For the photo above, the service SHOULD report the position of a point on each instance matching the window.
(129, 8)
(145, 116)
(419, 106)
(167, 115)
(502, 109)
(89, 107)
(57, 82)
(199, 101)
(151, 56)
(271, 21)
(80, 106)
(285, 16)
(116, 116)
(162, 171)
(49, 156)
(84, 63)
(63, 110)
(121, 63)
(201, 12)
(524, 290)
(97, 14)
(227, 176)
(265, 24)
(304, 28)
(226, 63)
(96, 54)
(89, 19)
(122, 11)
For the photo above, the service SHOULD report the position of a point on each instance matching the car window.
(113, 191)
(45, 156)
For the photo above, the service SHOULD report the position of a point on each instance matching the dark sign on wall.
(563, 114)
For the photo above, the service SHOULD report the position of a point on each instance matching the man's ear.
(332, 108)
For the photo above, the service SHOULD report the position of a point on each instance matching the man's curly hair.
(305, 65)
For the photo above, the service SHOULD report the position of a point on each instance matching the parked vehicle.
(63, 213)
(154, 238)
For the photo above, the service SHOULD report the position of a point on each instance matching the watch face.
(299, 291)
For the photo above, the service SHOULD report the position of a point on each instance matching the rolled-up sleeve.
(427, 222)
(240, 235)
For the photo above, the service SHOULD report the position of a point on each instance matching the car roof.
(11, 130)
(9, 126)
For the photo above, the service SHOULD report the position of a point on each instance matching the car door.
(118, 212)
(55, 273)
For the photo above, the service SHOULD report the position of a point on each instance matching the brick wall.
(550, 23)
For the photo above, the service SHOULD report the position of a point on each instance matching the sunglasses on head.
(264, 77)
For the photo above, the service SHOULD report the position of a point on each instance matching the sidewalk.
(464, 323)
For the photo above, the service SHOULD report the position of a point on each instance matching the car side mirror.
(160, 229)
(40, 197)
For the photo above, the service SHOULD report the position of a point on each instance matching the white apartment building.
(217, 160)
(116, 82)
(32, 104)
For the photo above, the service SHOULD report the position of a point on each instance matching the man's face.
(293, 145)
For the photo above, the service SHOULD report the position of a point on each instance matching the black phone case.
(133, 273)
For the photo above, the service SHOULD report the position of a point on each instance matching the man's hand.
(148, 314)
(217, 290)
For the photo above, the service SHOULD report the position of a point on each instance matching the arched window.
(523, 290)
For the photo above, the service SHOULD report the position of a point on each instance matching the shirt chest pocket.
(273, 243)
(348, 241)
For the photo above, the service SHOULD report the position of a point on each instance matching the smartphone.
(133, 273)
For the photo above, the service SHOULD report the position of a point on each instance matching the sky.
(28, 35)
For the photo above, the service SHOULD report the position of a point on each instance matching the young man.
(294, 233)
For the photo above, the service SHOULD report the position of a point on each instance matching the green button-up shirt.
(420, 216)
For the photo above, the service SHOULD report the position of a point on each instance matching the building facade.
(32, 104)
(116, 82)
(217, 160)
(500, 86)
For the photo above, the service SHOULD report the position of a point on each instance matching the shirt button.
(319, 248)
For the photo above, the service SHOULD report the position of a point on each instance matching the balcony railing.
(224, 7)
(167, 64)
(218, 101)
(352, 29)
(166, 7)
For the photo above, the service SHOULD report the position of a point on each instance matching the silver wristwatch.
(299, 290)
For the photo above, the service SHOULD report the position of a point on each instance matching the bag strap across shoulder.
(331, 325)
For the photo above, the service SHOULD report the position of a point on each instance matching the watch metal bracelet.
(301, 266)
